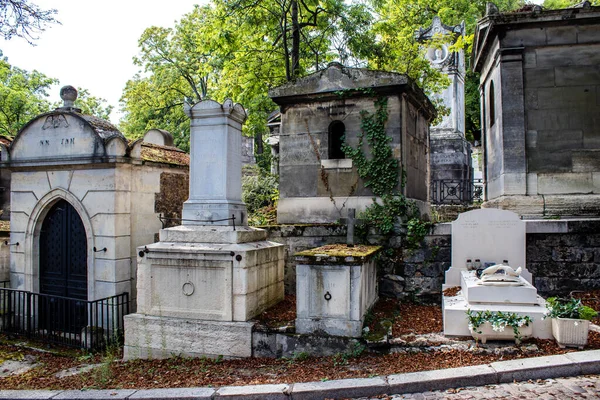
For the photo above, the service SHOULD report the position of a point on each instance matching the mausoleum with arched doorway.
(82, 199)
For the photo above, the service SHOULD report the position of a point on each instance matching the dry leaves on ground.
(406, 318)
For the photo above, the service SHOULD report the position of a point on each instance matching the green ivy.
(380, 171)
(382, 174)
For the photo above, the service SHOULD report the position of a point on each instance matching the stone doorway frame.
(32, 239)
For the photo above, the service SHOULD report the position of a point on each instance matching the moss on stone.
(340, 250)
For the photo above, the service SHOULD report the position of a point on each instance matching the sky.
(94, 46)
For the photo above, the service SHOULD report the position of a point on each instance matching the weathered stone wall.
(562, 255)
(562, 262)
(297, 238)
(304, 140)
(543, 144)
(561, 82)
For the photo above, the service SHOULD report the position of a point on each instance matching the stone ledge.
(343, 388)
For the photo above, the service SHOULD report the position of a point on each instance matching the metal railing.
(4, 284)
(62, 320)
(456, 191)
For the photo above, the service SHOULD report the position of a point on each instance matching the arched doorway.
(63, 269)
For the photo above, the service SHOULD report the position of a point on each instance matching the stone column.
(215, 165)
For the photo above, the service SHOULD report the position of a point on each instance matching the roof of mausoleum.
(103, 128)
(164, 154)
(494, 24)
(337, 82)
(5, 140)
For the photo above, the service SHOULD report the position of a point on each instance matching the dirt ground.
(60, 368)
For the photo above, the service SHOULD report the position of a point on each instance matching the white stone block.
(17, 262)
(532, 184)
(33, 181)
(107, 202)
(111, 224)
(96, 179)
(212, 234)
(144, 179)
(456, 322)
(476, 292)
(490, 235)
(22, 202)
(163, 337)
(116, 247)
(334, 298)
(108, 270)
(107, 289)
(60, 179)
(565, 183)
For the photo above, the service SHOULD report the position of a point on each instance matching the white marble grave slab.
(488, 234)
(477, 292)
(457, 324)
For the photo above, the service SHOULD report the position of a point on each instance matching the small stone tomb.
(335, 286)
(490, 237)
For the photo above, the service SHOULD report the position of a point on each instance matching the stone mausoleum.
(540, 106)
(83, 199)
(321, 111)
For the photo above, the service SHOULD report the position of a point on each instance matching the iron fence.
(62, 320)
(456, 191)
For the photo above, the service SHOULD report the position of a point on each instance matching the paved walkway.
(579, 387)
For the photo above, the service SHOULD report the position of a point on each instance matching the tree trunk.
(295, 40)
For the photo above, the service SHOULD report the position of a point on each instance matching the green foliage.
(22, 96)
(298, 356)
(499, 321)
(569, 308)
(381, 173)
(260, 192)
(355, 351)
(558, 4)
(380, 170)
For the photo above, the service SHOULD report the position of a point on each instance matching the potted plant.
(499, 325)
(570, 321)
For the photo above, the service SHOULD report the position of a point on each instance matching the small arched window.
(492, 104)
(337, 130)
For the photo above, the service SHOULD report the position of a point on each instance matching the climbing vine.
(381, 173)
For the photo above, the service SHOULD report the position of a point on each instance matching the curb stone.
(570, 364)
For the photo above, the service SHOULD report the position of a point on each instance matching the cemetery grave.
(412, 324)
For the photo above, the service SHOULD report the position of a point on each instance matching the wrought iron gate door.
(63, 269)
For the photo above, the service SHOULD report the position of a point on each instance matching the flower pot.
(570, 332)
(488, 333)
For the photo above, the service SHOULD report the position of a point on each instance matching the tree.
(22, 96)
(233, 50)
(398, 50)
(558, 4)
(178, 64)
(24, 19)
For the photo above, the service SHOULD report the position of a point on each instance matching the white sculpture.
(501, 273)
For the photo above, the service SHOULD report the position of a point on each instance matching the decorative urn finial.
(68, 94)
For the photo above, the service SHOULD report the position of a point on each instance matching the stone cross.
(351, 221)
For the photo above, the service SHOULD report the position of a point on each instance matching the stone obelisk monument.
(201, 283)
(450, 157)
